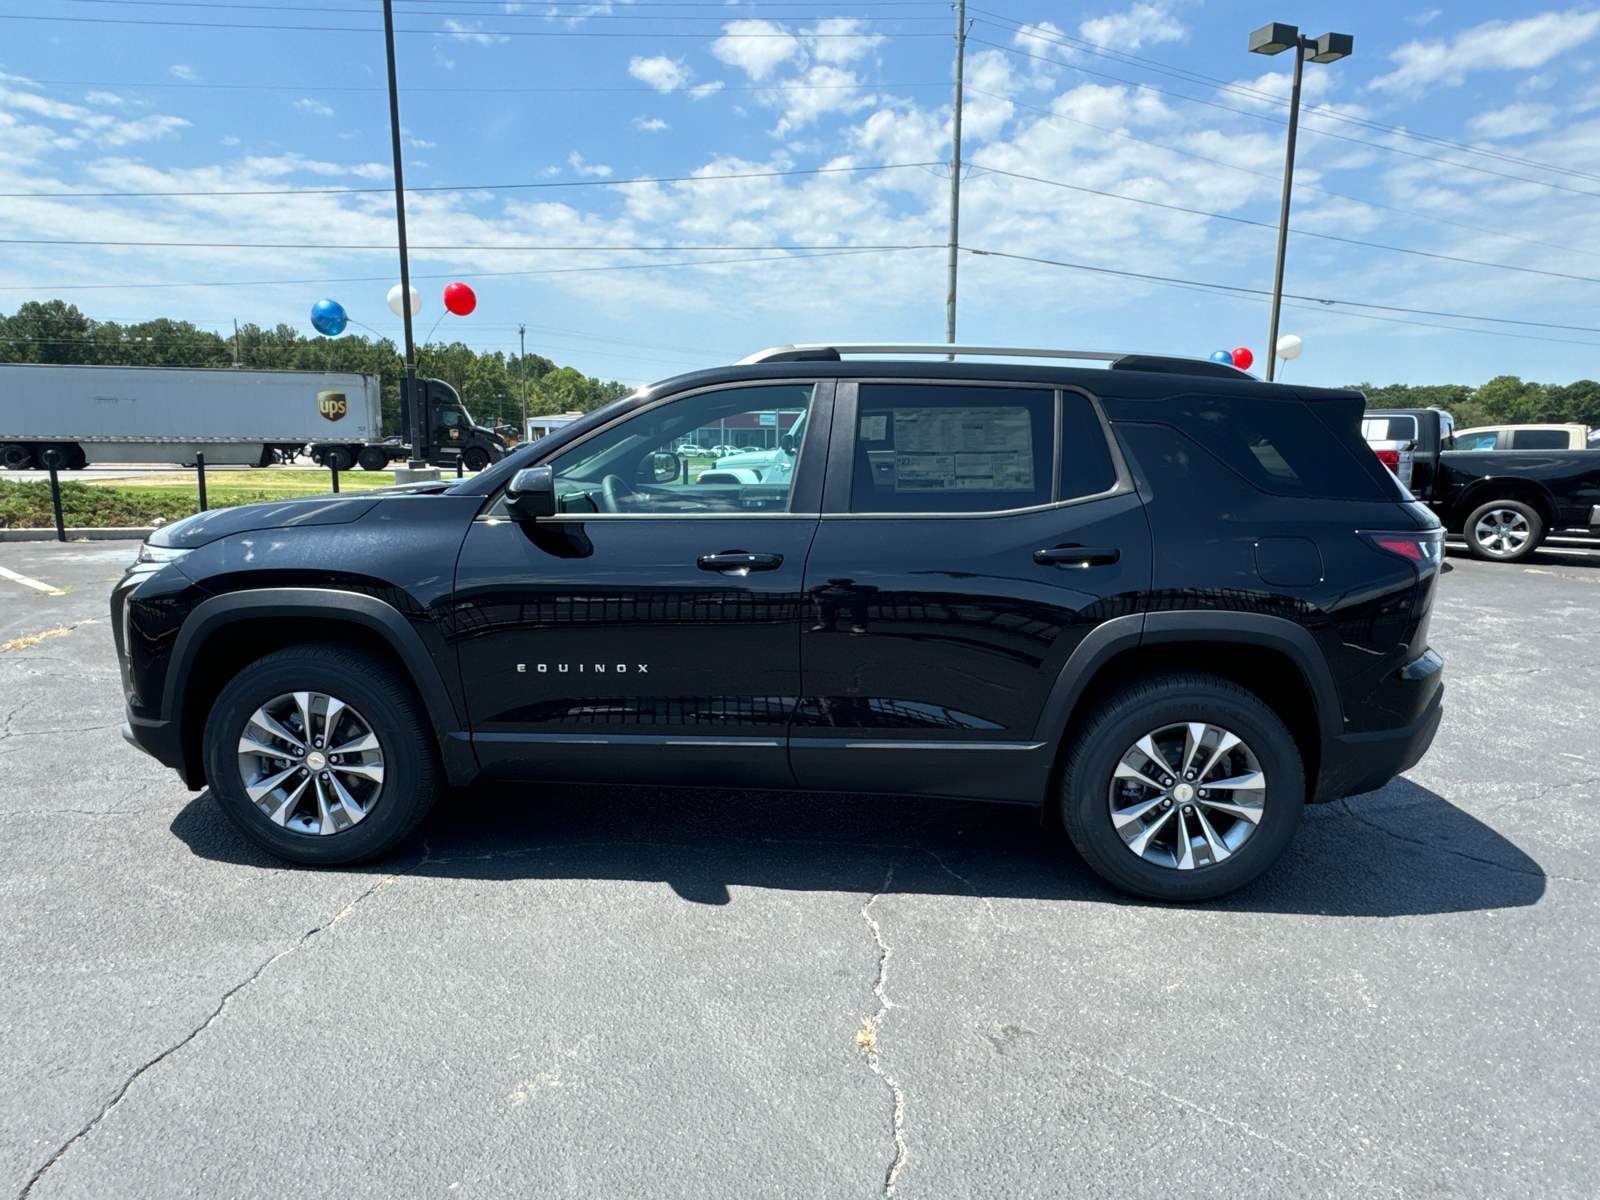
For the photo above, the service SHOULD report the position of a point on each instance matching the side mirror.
(787, 443)
(531, 494)
(664, 467)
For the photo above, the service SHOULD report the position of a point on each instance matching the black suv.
(1175, 601)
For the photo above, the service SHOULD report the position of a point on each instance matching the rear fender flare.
(320, 603)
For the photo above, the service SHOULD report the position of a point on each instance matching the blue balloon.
(328, 317)
(1222, 356)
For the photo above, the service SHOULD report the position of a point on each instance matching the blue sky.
(1467, 133)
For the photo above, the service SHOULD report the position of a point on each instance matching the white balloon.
(1289, 346)
(416, 301)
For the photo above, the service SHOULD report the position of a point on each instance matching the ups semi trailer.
(66, 417)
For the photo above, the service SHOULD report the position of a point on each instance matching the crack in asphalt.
(222, 1004)
(1542, 793)
(868, 1040)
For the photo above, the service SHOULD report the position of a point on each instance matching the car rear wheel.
(321, 754)
(1182, 787)
(1503, 531)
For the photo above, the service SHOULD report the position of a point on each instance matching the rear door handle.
(1076, 556)
(739, 562)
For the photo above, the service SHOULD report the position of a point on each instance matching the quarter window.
(931, 449)
(730, 451)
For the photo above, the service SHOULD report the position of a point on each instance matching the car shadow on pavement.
(1403, 850)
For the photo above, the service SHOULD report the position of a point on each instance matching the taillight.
(1423, 548)
(1390, 459)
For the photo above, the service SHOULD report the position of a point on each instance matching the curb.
(93, 534)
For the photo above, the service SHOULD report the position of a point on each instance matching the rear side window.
(1389, 429)
(1278, 445)
(932, 449)
(1539, 439)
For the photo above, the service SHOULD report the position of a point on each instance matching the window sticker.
(875, 427)
(962, 449)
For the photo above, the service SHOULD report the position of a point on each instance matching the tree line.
(1504, 400)
(490, 383)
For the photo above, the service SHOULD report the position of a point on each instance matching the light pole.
(522, 361)
(408, 386)
(1330, 47)
(955, 174)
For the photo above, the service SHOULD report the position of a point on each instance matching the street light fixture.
(1330, 47)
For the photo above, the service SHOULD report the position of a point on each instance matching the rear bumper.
(1363, 762)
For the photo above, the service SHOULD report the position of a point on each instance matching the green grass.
(140, 501)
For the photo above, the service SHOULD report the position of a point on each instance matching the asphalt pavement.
(648, 992)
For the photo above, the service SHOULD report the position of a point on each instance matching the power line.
(386, 247)
(1241, 112)
(478, 187)
(1251, 293)
(502, 12)
(1217, 162)
(1239, 89)
(181, 85)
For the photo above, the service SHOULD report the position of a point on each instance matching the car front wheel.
(321, 754)
(1182, 787)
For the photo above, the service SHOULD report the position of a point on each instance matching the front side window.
(730, 451)
(1478, 441)
(923, 448)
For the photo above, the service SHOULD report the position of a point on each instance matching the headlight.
(159, 554)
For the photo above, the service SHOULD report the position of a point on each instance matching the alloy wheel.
(1502, 532)
(311, 763)
(1187, 795)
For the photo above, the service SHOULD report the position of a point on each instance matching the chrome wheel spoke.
(275, 729)
(1168, 822)
(314, 795)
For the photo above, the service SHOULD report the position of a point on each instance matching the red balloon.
(460, 299)
(1242, 358)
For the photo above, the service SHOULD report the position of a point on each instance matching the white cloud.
(701, 90)
(662, 73)
(1426, 17)
(471, 31)
(839, 40)
(314, 107)
(107, 98)
(230, 140)
(419, 144)
(180, 71)
(1494, 45)
(652, 125)
(755, 46)
(586, 168)
(825, 89)
(1514, 119)
(1043, 41)
(1131, 29)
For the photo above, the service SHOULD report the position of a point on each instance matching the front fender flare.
(455, 746)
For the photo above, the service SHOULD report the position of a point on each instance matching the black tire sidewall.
(385, 703)
(475, 460)
(372, 460)
(1536, 531)
(1128, 716)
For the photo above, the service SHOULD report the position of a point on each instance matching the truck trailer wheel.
(16, 457)
(338, 458)
(55, 456)
(372, 458)
(1503, 531)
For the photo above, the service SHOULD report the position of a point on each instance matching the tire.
(16, 457)
(376, 701)
(475, 459)
(1154, 707)
(338, 458)
(1503, 531)
(372, 458)
(54, 455)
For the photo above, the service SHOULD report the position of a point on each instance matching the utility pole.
(236, 361)
(522, 361)
(955, 174)
(408, 386)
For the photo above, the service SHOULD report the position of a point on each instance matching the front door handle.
(1077, 556)
(739, 562)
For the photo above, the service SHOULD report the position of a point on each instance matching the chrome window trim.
(1123, 485)
(498, 498)
(800, 742)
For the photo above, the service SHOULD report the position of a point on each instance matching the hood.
(277, 514)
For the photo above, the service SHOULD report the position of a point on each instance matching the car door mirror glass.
(661, 467)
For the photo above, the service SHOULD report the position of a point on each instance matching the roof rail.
(1118, 360)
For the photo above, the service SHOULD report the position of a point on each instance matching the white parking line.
(33, 583)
